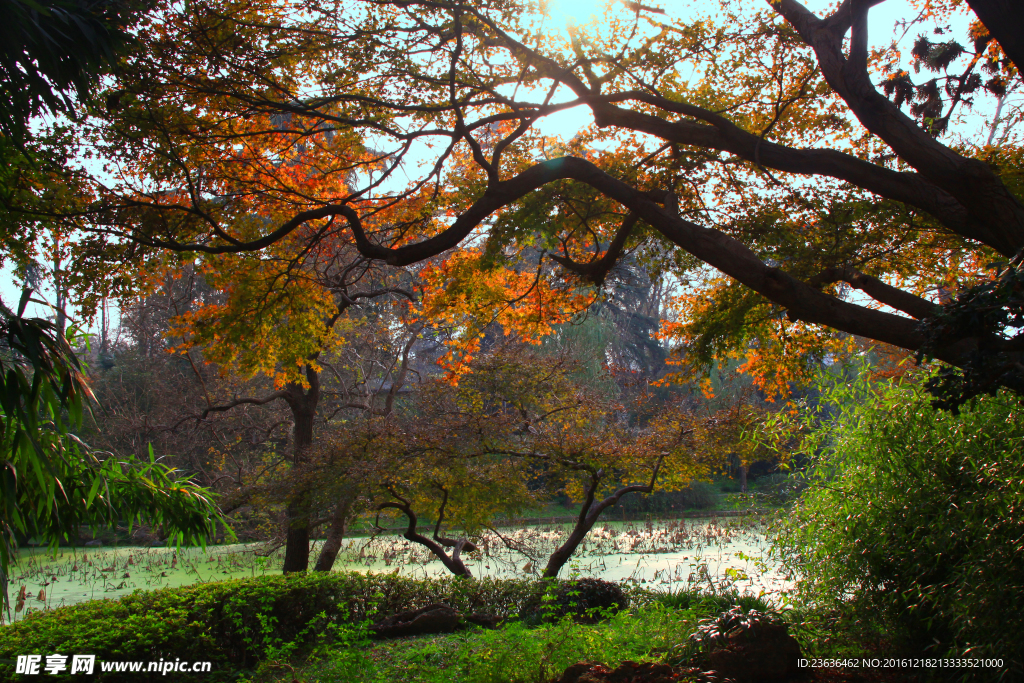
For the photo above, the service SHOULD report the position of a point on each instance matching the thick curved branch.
(910, 304)
(1004, 20)
(712, 246)
(457, 545)
(236, 246)
(597, 271)
(440, 520)
(995, 211)
(453, 563)
(614, 498)
(245, 401)
(964, 194)
(590, 512)
(719, 133)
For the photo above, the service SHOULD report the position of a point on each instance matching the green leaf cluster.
(51, 482)
(236, 624)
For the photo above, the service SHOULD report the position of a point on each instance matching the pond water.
(666, 555)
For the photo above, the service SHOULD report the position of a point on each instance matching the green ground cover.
(313, 627)
(512, 654)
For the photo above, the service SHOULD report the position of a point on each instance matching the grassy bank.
(319, 622)
(315, 628)
(513, 653)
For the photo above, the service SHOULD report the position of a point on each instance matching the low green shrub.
(585, 600)
(238, 624)
(913, 521)
(710, 603)
(513, 654)
(235, 624)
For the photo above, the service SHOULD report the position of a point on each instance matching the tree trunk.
(60, 294)
(335, 535)
(743, 478)
(303, 405)
(590, 512)
(453, 562)
(558, 558)
(296, 553)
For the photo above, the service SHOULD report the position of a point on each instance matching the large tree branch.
(712, 246)
(590, 512)
(1004, 20)
(457, 544)
(980, 209)
(244, 401)
(453, 563)
(614, 498)
(910, 304)
(721, 134)
(596, 271)
(995, 210)
(410, 533)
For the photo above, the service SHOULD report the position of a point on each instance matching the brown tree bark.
(453, 562)
(997, 218)
(1004, 20)
(303, 404)
(590, 512)
(335, 535)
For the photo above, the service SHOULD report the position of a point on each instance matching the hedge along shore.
(236, 624)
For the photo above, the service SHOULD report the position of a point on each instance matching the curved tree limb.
(996, 212)
(941, 194)
(245, 401)
(911, 304)
(596, 271)
(589, 514)
(1004, 19)
(712, 246)
(453, 563)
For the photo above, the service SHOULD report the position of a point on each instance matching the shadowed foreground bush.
(235, 624)
(913, 521)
